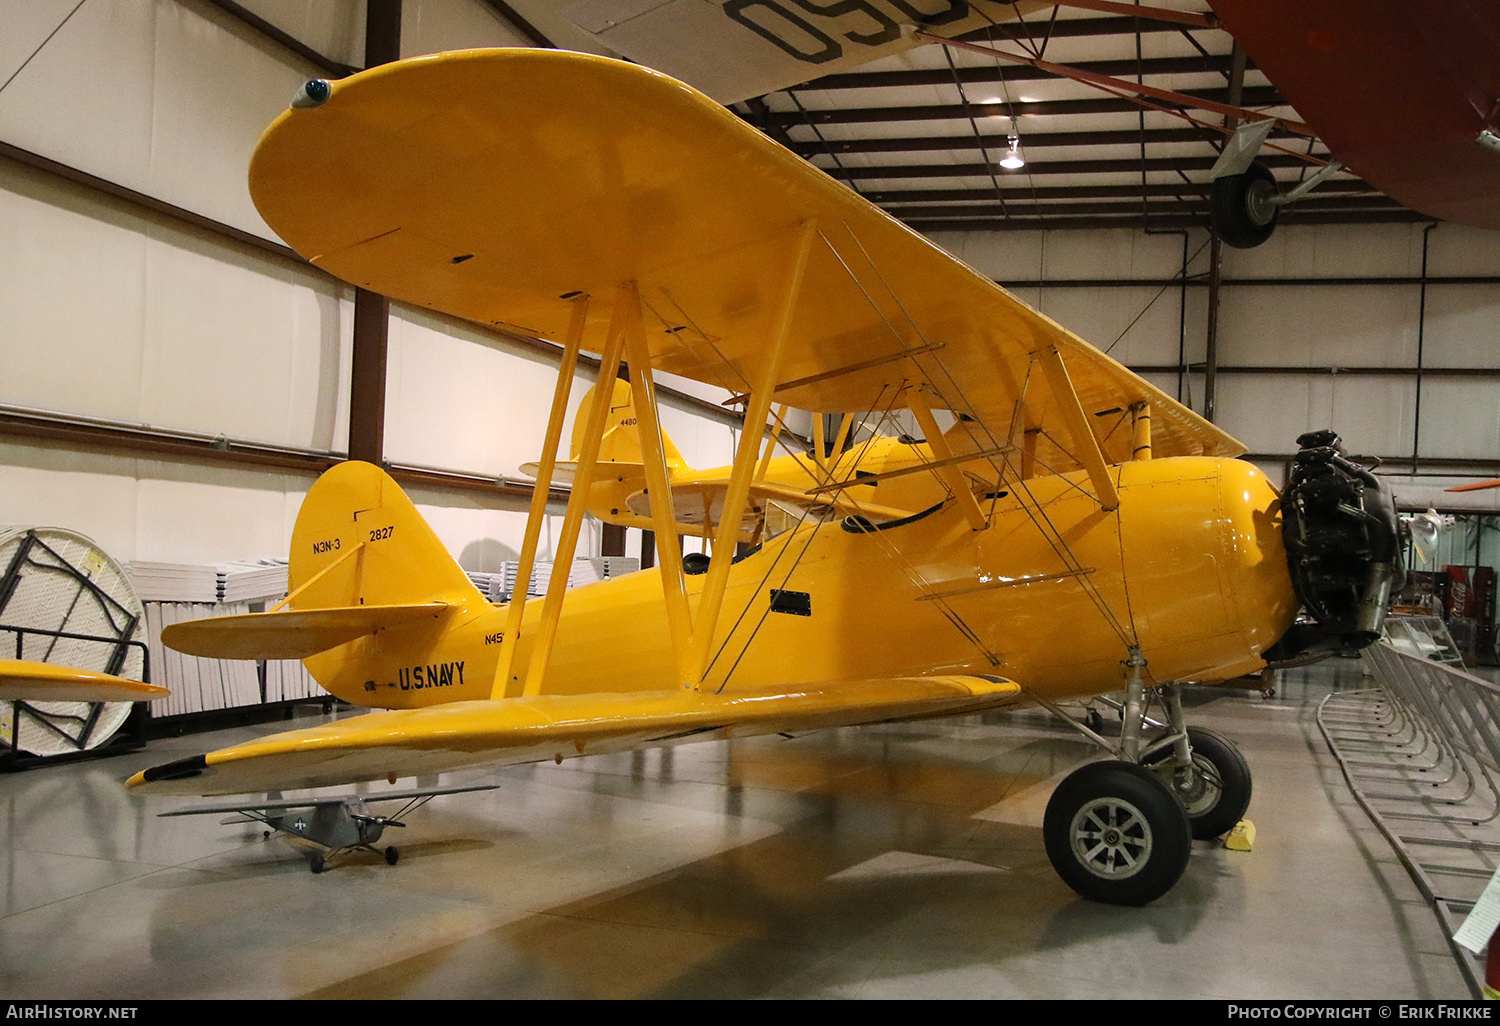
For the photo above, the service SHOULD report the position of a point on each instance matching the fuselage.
(1052, 594)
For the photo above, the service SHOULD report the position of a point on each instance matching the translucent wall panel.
(1460, 418)
(234, 348)
(480, 538)
(704, 443)
(141, 94)
(175, 512)
(146, 509)
(1331, 251)
(1318, 326)
(1062, 255)
(72, 299)
(433, 26)
(1458, 249)
(112, 314)
(333, 28)
(1134, 326)
(456, 398)
(1462, 327)
(1268, 411)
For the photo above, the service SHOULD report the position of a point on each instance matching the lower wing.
(24, 681)
(461, 735)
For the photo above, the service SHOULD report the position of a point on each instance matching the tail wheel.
(1115, 834)
(1241, 207)
(1216, 793)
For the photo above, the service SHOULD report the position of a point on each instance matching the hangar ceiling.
(922, 132)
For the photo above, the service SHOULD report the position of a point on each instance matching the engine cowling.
(1343, 545)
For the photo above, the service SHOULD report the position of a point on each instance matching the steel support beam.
(372, 311)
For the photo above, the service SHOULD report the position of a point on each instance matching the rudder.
(621, 441)
(360, 532)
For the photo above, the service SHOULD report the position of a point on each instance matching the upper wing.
(459, 735)
(490, 183)
(23, 680)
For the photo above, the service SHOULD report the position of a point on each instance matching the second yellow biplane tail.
(619, 446)
(621, 442)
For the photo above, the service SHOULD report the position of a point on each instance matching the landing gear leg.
(1203, 770)
(1120, 831)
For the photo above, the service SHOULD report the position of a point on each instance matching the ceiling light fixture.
(1013, 158)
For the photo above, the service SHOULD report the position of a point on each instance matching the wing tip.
(181, 769)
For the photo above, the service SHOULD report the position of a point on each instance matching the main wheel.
(391, 855)
(1115, 834)
(1241, 207)
(316, 863)
(1216, 795)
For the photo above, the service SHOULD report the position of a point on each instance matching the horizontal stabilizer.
(563, 471)
(460, 735)
(293, 633)
(24, 681)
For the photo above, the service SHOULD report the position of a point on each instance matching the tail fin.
(359, 531)
(621, 442)
(364, 566)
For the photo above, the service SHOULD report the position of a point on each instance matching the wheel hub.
(1110, 838)
(1197, 787)
(1260, 205)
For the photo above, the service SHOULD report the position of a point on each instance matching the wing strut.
(658, 481)
(745, 458)
(1140, 429)
(583, 479)
(1086, 445)
(947, 471)
(538, 510)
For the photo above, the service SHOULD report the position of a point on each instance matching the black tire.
(316, 863)
(1216, 797)
(1240, 207)
(1115, 834)
(391, 855)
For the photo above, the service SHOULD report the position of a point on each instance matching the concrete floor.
(897, 861)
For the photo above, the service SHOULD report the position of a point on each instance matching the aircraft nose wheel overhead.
(1243, 207)
(1115, 834)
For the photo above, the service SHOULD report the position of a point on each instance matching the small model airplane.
(1085, 532)
(330, 826)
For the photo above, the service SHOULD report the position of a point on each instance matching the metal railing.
(1421, 751)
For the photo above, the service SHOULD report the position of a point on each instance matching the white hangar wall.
(113, 312)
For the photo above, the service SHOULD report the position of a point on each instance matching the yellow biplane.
(1069, 530)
